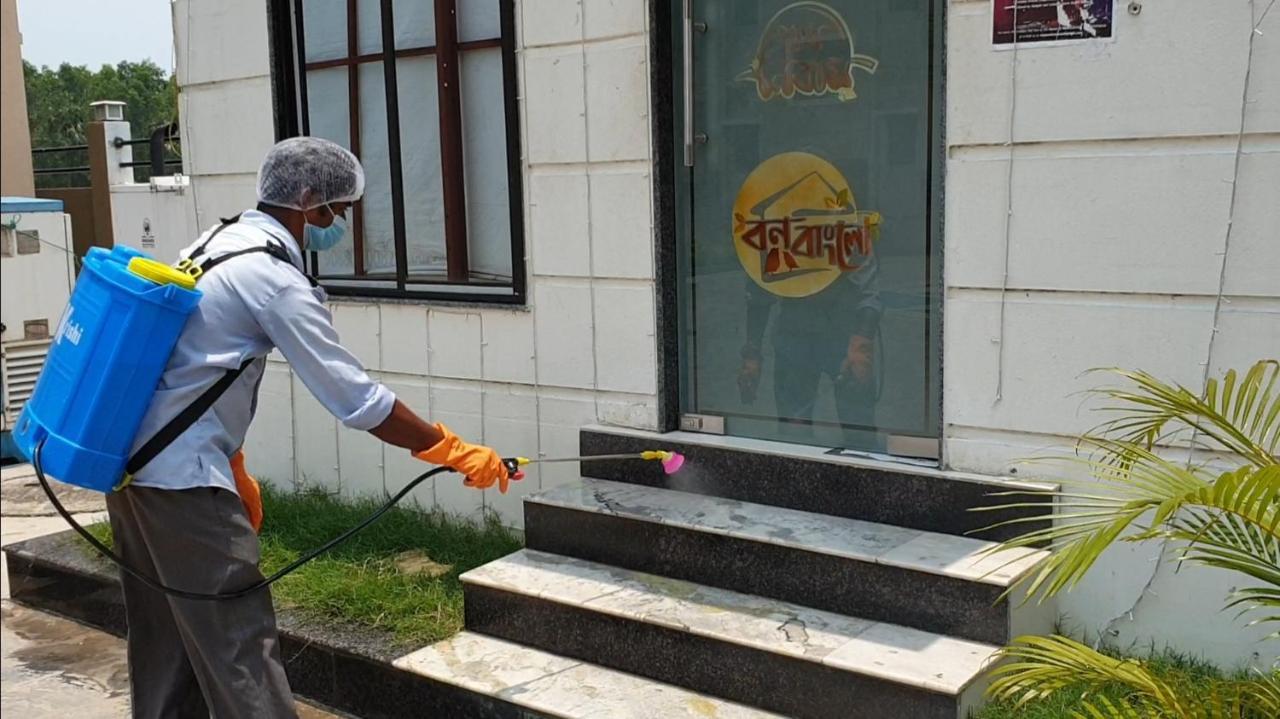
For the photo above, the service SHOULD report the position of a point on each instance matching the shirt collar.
(272, 226)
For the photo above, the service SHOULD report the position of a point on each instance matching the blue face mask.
(319, 239)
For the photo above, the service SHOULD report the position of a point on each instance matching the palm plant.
(1217, 506)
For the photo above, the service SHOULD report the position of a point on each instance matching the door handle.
(688, 83)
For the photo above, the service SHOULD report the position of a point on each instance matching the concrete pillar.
(100, 183)
(110, 114)
(16, 177)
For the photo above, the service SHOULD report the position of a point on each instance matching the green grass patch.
(358, 583)
(1196, 677)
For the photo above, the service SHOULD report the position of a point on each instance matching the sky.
(96, 32)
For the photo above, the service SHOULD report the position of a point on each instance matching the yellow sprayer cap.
(160, 273)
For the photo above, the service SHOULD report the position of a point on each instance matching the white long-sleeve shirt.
(251, 304)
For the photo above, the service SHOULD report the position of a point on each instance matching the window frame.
(289, 99)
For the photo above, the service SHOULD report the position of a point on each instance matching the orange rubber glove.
(481, 466)
(250, 492)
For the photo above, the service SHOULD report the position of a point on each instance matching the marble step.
(756, 651)
(813, 480)
(937, 582)
(505, 679)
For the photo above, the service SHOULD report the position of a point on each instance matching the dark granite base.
(666, 251)
(339, 667)
(88, 598)
(943, 605)
(886, 496)
(784, 684)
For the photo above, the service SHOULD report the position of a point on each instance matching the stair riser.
(933, 504)
(397, 694)
(943, 605)
(774, 682)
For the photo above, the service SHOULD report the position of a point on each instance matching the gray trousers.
(192, 658)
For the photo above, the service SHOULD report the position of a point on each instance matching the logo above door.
(806, 49)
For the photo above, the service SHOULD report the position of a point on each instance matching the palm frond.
(1251, 493)
(1231, 521)
(1241, 416)
(1118, 504)
(1223, 702)
(1261, 693)
(1104, 708)
(1035, 667)
(1232, 526)
(1227, 542)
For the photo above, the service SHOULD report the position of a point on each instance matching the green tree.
(58, 109)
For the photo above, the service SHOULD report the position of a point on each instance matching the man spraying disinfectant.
(186, 513)
(146, 395)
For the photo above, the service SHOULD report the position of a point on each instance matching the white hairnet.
(305, 172)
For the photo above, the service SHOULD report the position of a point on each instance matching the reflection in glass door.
(809, 257)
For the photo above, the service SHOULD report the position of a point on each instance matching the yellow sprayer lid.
(160, 273)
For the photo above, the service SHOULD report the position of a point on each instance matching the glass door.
(809, 254)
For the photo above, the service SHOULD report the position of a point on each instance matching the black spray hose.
(183, 594)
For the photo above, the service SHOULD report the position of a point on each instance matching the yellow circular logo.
(797, 227)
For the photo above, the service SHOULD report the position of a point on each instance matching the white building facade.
(975, 224)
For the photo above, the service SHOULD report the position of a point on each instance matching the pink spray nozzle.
(673, 462)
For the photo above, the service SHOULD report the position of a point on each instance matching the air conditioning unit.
(37, 273)
(20, 366)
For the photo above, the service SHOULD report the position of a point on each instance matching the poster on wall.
(1050, 22)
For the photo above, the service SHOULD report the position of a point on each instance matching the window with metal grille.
(423, 92)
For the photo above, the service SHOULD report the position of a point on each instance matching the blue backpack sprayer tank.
(108, 355)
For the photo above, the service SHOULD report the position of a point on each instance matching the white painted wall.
(1123, 163)
(156, 217)
(526, 379)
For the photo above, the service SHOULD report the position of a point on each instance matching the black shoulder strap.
(272, 249)
(226, 222)
(183, 421)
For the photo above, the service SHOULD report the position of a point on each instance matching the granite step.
(511, 680)
(757, 651)
(937, 582)
(813, 479)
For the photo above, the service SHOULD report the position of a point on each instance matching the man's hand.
(858, 359)
(481, 466)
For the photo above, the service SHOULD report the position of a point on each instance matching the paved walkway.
(54, 668)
